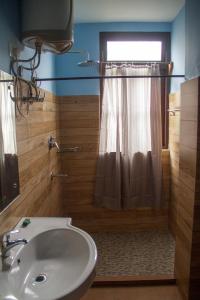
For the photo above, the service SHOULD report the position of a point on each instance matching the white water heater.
(49, 22)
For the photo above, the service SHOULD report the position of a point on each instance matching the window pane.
(134, 51)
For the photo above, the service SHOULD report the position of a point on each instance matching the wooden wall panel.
(194, 289)
(79, 123)
(78, 118)
(39, 196)
(187, 262)
(174, 139)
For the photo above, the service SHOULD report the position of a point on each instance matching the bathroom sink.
(55, 264)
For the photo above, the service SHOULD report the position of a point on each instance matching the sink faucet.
(7, 245)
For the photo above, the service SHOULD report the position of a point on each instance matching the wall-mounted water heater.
(48, 22)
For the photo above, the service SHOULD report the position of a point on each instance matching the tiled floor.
(138, 253)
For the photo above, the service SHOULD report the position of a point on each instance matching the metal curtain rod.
(108, 77)
(100, 77)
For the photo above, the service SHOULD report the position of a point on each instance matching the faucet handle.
(52, 143)
(6, 236)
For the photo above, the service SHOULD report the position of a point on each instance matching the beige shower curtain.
(8, 146)
(129, 165)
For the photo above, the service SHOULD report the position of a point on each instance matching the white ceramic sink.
(57, 263)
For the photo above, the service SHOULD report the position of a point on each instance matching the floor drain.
(40, 278)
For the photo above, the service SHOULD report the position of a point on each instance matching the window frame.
(165, 39)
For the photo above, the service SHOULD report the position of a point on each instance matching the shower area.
(133, 243)
(120, 184)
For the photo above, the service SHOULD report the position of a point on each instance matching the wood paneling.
(39, 196)
(78, 119)
(136, 280)
(194, 290)
(174, 139)
(79, 122)
(130, 293)
(187, 262)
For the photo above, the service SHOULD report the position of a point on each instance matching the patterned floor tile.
(137, 253)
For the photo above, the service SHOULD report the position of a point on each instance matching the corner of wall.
(178, 49)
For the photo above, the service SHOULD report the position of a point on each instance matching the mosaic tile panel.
(137, 253)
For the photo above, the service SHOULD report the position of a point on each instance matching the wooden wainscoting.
(78, 120)
(174, 139)
(160, 292)
(39, 196)
(79, 117)
(187, 262)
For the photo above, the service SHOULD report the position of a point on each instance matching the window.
(134, 51)
(139, 47)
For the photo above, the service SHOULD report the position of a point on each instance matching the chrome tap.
(53, 144)
(7, 245)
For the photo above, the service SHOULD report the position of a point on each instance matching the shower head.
(88, 62)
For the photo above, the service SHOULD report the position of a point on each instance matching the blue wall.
(87, 38)
(178, 49)
(192, 38)
(186, 42)
(9, 35)
(45, 69)
(9, 30)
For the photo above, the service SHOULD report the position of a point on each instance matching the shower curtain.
(9, 177)
(129, 168)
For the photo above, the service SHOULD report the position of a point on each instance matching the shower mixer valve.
(53, 144)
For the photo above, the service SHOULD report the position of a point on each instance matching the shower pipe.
(38, 49)
(100, 77)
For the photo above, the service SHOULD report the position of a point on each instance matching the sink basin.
(57, 263)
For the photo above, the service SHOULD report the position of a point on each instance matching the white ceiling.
(90, 11)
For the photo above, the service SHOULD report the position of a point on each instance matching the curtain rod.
(108, 77)
(100, 77)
